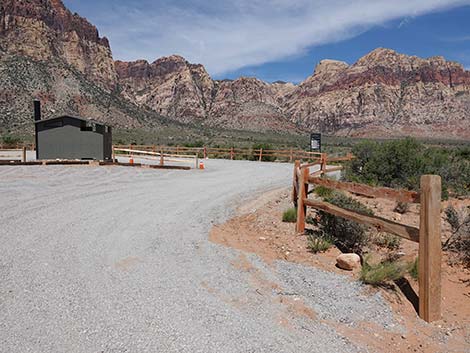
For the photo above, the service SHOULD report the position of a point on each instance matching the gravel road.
(116, 259)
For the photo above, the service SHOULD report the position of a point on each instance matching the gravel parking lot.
(116, 259)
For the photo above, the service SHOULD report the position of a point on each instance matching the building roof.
(71, 117)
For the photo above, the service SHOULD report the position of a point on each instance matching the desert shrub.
(290, 215)
(347, 235)
(400, 164)
(459, 240)
(381, 273)
(389, 241)
(10, 141)
(318, 243)
(402, 207)
(323, 191)
(413, 268)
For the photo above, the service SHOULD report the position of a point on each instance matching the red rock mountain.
(45, 30)
(48, 52)
(385, 93)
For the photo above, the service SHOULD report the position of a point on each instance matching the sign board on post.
(315, 142)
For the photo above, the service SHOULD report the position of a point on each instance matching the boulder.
(348, 261)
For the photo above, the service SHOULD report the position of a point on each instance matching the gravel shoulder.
(115, 259)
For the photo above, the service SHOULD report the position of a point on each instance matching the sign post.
(315, 142)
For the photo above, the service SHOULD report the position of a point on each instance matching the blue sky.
(278, 39)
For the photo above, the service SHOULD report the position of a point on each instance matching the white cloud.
(228, 35)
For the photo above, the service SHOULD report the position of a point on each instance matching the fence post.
(301, 208)
(23, 157)
(291, 156)
(295, 183)
(430, 249)
(205, 152)
(323, 163)
(113, 156)
(260, 154)
(161, 157)
(231, 153)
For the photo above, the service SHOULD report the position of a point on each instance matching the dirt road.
(115, 259)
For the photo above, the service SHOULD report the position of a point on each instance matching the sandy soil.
(258, 228)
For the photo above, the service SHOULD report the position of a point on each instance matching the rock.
(348, 261)
(45, 30)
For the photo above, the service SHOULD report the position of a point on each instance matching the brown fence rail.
(428, 235)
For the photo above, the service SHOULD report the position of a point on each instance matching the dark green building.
(67, 137)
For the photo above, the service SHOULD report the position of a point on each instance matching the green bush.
(318, 243)
(323, 191)
(400, 164)
(381, 273)
(459, 240)
(290, 215)
(413, 268)
(402, 207)
(347, 235)
(10, 141)
(389, 241)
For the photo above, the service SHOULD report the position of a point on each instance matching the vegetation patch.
(322, 191)
(290, 215)
(459, 240)
(400, 164)
(388, 241)
(413, 269)
(318, 244)
(347, 235)
(382, 273)
(401, 207)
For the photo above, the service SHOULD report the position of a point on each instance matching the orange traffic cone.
(131, 160)
(201, 165)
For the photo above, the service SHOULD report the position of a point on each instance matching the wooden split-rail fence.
(428, 235)
(232, 153)
(161, 155)
(14, 154)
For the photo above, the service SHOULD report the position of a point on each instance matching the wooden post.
(205, 152)
(323, 163)
(260, 154)
(23, 158)
(295, 183)
(291, 157)
(177, 149)
(113, 154)
(430, 249)
(161, 157)
(231, 153)
(301, 208)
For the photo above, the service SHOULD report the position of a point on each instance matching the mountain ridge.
(384, 93)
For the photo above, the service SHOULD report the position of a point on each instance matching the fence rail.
(428, 235)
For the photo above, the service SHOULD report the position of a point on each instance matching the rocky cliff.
(185, 92)
(385, 93)
(45, 30)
